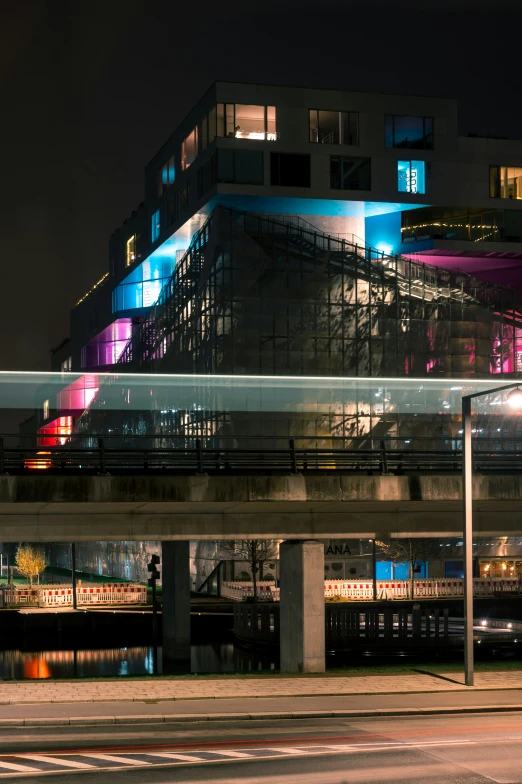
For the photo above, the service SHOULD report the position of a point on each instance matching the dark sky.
(90, 90)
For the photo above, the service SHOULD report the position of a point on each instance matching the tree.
(30, 561)
(255, 552)
(413, 551)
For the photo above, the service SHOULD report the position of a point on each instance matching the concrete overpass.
(60, 508)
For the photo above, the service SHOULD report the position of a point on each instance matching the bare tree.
(412, 551)
(255, 552)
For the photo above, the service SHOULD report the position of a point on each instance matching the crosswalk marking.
(55, 760)
(19, 768)
(171, 755)
(285, 750)
(113, 758)
(237, 754)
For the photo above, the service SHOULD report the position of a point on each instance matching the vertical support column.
(175, 577)
(302, 629)
(73, 576)
(467, 494)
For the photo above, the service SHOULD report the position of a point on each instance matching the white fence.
(386, 589)
(62, 595)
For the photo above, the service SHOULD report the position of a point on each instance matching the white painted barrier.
(61, 595)
(386, 589)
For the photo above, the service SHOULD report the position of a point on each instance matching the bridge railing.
(153, 453)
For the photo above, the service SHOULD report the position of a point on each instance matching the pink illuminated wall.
(78, 395)
(107, 347)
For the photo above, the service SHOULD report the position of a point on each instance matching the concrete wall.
(119, 508)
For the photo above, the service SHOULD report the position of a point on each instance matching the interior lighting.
(483, 623)
(514, 398)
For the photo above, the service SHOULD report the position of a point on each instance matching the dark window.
(334, 127)
(183, 198)
(408, 133)
(172, 210)
(350, 173)
(290, 169)
(241, 166)
(207, 176)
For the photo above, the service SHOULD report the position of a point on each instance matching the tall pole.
(73, 572)
(467, 495)
(374, 570)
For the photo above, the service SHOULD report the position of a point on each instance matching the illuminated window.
(409, 133)
(350, 173)
(46, 409)
(411, 177)
(66, 365)
(505, 182)
(130, 250)
(189, 149)
(334, 127)
(246, 121)
(155, 226)
(166, 175)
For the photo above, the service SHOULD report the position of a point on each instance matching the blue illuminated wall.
(383, 232)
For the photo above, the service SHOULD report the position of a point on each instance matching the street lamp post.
(515, 400)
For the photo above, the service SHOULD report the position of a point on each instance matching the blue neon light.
(411, 177)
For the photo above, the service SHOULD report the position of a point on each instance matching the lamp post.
(515, 401)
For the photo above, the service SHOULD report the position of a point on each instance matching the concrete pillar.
(302, 632)
(175, 577)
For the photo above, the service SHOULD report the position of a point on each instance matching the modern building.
(294, 231)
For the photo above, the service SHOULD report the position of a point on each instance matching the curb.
(458, 689)
(269, 715)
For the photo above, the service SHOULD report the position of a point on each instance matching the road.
(454, 749)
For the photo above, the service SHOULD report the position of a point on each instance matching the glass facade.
(505, 182)
(166, 175)
(408, 133)
(141, 288)
(328, 127)
(411, 176)
(107, 347)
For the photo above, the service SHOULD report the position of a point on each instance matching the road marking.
(238, 754)
(111, 758)
(182, 757)
(55, 760)
(19, 768)
(285, 750)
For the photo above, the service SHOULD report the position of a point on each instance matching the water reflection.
(127, 661)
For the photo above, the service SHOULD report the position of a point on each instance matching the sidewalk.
(168, 700)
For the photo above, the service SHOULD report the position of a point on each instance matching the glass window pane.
(494, 182)
(350, 128)
(388, 130)
(408, 132)
(329, 127)
(212, 124)
(250, 121)
(171, 170)
(220, 129)
(271, 133)
(225, 166)
(511, 182)
(248, 167)
(314, 126)
(428, 133)
(204, 133)
(230, 119)
(335, 173)
(411, 177)
(189, 149)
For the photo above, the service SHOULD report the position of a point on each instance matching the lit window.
(189, 149)
(130, 250)
(46, 409)
(155, 226)
(246, 121)
(66, 365)
(409, 133)
(411, 177)
(505, 182)
(334, 127)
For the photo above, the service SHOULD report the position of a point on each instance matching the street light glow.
(514, 398)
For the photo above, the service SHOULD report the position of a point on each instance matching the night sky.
(89, 92)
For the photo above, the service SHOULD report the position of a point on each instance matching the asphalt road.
(455, 749)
